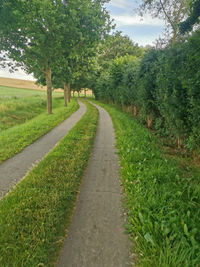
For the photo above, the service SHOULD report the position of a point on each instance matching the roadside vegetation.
(14, 139)
(162, 197)
(20, 105)
(35, 215)
(161, 89)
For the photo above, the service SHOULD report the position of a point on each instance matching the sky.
(142, 31)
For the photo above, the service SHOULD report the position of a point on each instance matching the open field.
(20, 83)
(17, 83)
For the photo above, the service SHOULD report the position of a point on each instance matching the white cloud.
(127, 20)
(123, 4)
(20, 74)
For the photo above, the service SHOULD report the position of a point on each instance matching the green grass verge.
(14, 111)
(35, 215)
(163, 200)
(20, 105)
(14, 139)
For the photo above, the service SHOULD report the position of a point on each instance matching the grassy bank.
(34, 216)
(14, 139)
(14, 111)
(17, 106)
(162, 198)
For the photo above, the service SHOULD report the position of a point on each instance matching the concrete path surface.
(14, 169)
(96, 236)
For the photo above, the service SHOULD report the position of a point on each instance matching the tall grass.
(20, 105)
(162, 199)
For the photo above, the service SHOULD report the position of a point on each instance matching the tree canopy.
(172, 11)
(44, 35)
(194, 18)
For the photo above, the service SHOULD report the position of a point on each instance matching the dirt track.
(96, 236)
(14, 169)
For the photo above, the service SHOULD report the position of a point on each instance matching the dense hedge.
(164, 85)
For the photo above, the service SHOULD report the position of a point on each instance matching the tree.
(117, 45)
(172, 11)
(41, 34)
(193, 18)
(34, 40)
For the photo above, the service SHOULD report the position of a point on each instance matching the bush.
(163, 85)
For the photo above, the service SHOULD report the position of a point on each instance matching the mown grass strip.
(14, 139)
(35, 215)
(163, 200)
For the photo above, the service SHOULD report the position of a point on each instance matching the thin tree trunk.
(179, 142)
(68, 92)
(149, 122)
(135, 111)
(85, 93)
(49, 91)
(65, 95)
(78, 94)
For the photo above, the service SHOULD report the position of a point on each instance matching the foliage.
(162, 199)
(163, 85)
(193, 18)
(35, 215)
(117, 45)
(48, 36)
(171, 11)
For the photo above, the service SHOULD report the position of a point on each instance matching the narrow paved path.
(14, 169)
(96, 236)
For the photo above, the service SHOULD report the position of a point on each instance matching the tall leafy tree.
(117, 45)
(172, 11)
(30, 35)
(41, 33)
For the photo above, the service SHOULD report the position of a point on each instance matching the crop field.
(18, 83)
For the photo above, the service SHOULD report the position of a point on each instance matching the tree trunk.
(85, 93)
(49, 91)
(65, 95)
(78, 94)
(135, 111)
(179, 143)
(149, 122)
(68, 92)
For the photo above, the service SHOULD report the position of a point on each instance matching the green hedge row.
(163, 86)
